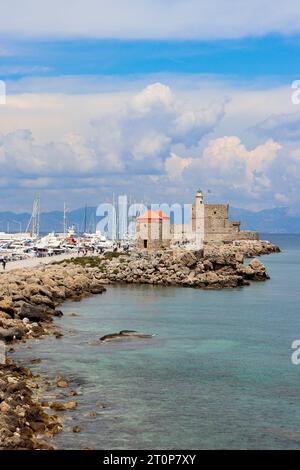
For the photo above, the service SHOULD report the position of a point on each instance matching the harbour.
(220, 364)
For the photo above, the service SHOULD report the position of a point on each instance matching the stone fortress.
(209, 223)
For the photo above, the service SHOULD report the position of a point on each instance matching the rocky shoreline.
(28, 304)
(215, 267)
(29, 301)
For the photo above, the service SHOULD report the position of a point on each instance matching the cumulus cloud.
(230, 159)
(21, 155)
(152, 142)
(149, 18)
(280, 126)
(175, 166)
(137, 139)
(231, 170)
(143, 134)
(282, 198)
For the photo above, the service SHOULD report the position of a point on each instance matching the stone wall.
(218, 228)
(155, 233)
(248, 235)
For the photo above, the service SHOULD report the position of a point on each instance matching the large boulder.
(6, 306)
(97, 288)
(256, 271)
(188, 259)
(34, 313)
(10, 334)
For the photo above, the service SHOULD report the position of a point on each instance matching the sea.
(218, 374)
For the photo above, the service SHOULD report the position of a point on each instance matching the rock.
(6, 306)
(207, 264)
(36, 361)
(71, 405)
(239, 258)
(34, 313)
(124, 334)
(258, 271)
(188, 259)
(4, 407)
(42, 300)
(76, 429)
(10, 334)
(5, 316)
(257, 265)
(57, 406)
(61, 383)
(38, 427)
(58, 334)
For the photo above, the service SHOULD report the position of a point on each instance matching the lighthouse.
(199, 220)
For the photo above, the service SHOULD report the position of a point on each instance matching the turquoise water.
(217, 375)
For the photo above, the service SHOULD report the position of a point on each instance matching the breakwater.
(30, 300)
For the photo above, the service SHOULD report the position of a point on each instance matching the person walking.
(4, 264)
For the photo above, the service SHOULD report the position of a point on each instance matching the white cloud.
(281, 126)
(233, 172)
(145, 130)
(136, 139)
(154, 98)
(282, 198)
(153, 141)
(149, 18)
(227, 156)
(175, 166)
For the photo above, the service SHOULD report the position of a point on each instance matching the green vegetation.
(114, 254)
(93, 261)
(86, 262)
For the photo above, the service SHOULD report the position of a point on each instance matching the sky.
(150, 98)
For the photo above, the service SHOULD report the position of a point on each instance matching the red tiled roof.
(163, 215)
(150, 215)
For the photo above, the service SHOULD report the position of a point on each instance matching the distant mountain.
(268, 221)
(50, 221)
(275, 220)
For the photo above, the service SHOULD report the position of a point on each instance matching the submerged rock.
(124, 334)
(61, 382)
(57, 406)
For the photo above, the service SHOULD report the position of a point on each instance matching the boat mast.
(85, 219)
(65, 219)
(34, 222)
(113, 222)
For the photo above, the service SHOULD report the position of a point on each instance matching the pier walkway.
(36, 262)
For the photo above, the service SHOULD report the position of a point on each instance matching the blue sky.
(150, 98)
(272, 56)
